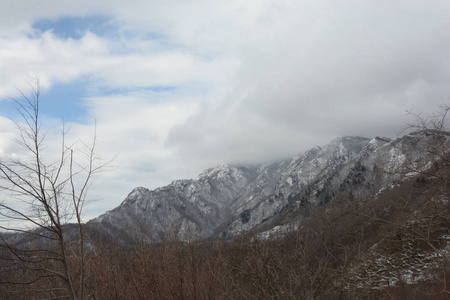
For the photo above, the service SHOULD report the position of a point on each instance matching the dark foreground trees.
(339, 253)
(44, 192)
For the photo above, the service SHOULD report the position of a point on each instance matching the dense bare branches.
(437, 121)
(339, 253)
(437, 145)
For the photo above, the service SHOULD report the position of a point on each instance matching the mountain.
(230, 200)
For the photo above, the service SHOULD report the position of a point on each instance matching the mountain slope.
(229, 200)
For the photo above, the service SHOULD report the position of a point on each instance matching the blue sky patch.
(64, 100)
(61, 101)
(76, 27)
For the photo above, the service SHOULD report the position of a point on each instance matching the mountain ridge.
(229, 200)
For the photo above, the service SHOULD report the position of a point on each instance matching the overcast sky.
(175, 87)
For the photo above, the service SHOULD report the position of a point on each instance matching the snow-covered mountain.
(229, 200)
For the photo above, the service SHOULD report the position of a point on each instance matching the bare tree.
(437, 145)
(45, 193)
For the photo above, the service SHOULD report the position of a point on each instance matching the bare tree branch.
(54, 192)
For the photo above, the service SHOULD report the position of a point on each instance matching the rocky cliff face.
(229, 200)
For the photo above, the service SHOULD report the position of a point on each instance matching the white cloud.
(246, 81)
(310, 73)
(67, 60)
(132, 129)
